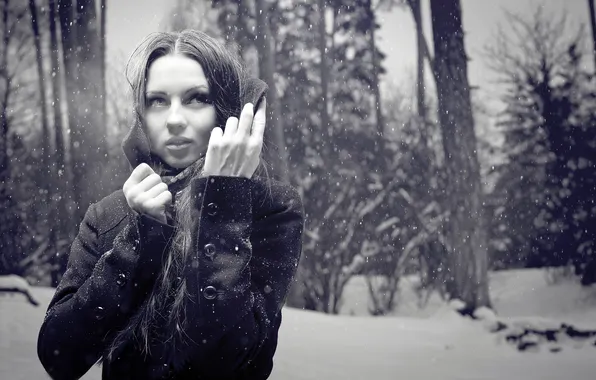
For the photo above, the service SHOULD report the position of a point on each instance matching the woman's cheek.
(155, 125)
(204, 120)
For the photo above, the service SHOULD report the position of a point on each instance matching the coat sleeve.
(247, 253)
(98, 292)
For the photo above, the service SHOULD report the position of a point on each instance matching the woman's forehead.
(174, 73)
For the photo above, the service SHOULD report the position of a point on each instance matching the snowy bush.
(556, 275)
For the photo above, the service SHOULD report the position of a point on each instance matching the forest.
(394, 183)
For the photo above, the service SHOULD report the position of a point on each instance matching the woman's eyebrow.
(155, 93)
(200, 88)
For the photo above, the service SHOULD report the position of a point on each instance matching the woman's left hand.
(236, 152)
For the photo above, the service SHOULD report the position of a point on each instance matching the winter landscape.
(443, 152)
(432, 342)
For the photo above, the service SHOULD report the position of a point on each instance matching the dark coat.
(246, 252)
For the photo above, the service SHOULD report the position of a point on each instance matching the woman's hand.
(146, 193)
(236, 152)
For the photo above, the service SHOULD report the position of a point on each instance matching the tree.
(332, 150)
(88, 136)
(593, 24)
(23, 170)
(265, 44)
(61, 185)
(46, 163)
(543, 187)
(14, 56)
(42, 88)
(70, 65)
(466, 225)
(415, 7)
(6, 241)
(199, 15)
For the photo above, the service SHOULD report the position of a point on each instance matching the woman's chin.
(179, 163)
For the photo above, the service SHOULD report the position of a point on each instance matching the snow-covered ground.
(432, 343)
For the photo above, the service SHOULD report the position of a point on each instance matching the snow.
(515, 294)
(429, 343)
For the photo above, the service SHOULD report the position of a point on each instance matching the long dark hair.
(161, 315)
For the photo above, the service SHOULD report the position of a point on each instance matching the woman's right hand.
(146, 193)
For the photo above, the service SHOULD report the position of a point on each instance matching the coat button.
(210, 292)
(209, 250)
(121, 280)
(212, 208)
(99, 313)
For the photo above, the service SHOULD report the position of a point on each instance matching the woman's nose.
(175, 118)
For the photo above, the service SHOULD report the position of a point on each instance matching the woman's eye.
(198, 99)
(156, 102)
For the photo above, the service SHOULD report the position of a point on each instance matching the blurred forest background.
(405, 183)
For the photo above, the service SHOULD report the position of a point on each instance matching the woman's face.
(178, 115)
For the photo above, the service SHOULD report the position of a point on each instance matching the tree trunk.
(88, 137)
(422, 44)
(47, 157)
(274, 134)
(61, 188)
(102, 50)
(593, 23)
(380, 146)
(422, 52)
(326, 130)
(6, 235)
(68, 33)
(46, 146)
(466, 232)
(420, 91)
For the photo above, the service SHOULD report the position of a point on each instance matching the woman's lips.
(178, 145)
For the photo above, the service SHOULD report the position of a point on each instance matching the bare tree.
(15, 47)
(47, 156)
(466, 229)
(42, 87)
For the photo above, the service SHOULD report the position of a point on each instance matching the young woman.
(182, 274)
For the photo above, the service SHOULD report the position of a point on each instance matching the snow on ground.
(433, 343)
(514, 293)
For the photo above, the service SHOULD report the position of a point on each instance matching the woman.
(183, 273)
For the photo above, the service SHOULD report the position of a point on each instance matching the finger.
(259, 121)
(139, 173)
(246, 119)
(214, 139)
(160, 201)
(156, 190)
(149, 182)
(231, 126)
